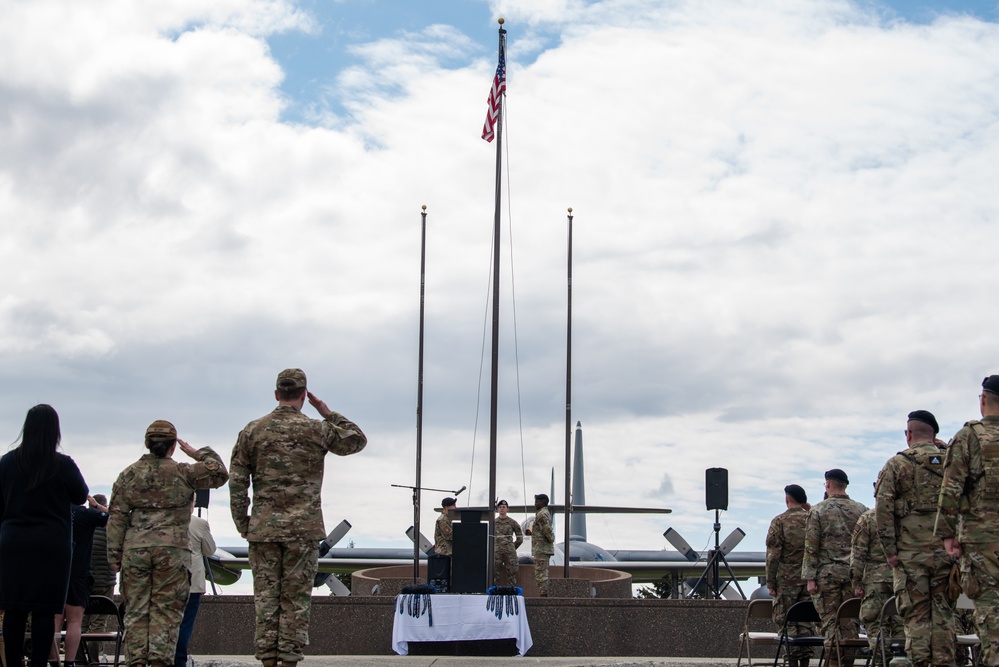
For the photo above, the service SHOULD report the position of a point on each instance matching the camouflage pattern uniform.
(542, 547)
(828, 531)
(785, 550)
(443, 534)
(147, 534)
(509, 536)
(908, 487)
(971, 488)
(870, 572)
(282, 454)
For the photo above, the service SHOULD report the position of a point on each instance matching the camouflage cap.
(161, 428)
(291, 379)
(837, 475)
(991, 384)
(926, 417)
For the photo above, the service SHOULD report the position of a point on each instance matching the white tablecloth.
(457, 618)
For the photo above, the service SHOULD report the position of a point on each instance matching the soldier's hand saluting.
(186, 448)
(319, 405)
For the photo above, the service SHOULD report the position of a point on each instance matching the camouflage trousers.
(921, 597)
(506, 562)
(980, 581)
(155, 583)
(283, 574)
(834, 589)
(875, 596)
(541, 572)
(785, 598)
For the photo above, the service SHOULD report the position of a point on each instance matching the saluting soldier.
(970, 489)
(826, 565)
(785, 551)
(148, 541)
(282, 456)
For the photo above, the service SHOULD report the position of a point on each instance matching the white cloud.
(783, 217)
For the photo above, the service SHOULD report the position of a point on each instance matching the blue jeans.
(186, 628)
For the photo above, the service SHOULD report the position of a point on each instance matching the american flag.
(495, 99)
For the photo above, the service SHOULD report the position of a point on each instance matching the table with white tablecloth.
(442, 618)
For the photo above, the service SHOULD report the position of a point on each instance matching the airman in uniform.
(281, 455)
(872, 580)
(970, 491)
(907, 491)
(826, 565)
(509, 536)
(147, 538)
(443, 530)
(542, 542)
(785, 550)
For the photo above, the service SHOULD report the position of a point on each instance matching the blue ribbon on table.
(503, 604)
(416, 605)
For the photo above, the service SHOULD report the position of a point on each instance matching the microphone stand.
(416, 519)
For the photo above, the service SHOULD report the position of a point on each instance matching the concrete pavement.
(467, 661)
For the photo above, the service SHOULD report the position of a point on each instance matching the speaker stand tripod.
(716, 557)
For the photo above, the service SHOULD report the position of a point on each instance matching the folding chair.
(848, 611)
(104, 606)
(887, 645)
(800, 612)
(971, 643)
(757, 609)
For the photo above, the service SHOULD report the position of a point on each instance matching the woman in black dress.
(37, 487)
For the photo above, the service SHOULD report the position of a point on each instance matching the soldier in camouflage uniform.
(785, 549)
(826, 565)
(281, 455)
(542, 542)
(907, 491)
(872, 580)
(509, 536)
(443, 530)
(148, 541)
(970, 489)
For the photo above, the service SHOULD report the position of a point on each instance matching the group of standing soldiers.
(933, 533)
(508, 536)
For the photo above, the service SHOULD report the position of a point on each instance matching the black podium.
(469, 553)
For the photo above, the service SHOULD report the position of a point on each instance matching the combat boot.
(289, 663)
(269, 662)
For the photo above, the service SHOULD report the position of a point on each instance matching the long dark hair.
(40, 436)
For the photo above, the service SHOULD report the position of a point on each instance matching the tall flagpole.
(494, 386)
(568, 405)
(419, 406)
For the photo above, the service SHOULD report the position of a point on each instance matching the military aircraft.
(682, 568)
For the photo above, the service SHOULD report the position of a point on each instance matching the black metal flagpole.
(419, 404)
(494, 386)
(568, 405)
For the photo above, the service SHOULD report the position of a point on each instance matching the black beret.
(991, 384)
(838, 475)
(449, 502)
(926, 417)
(541, 496)
(796, 492)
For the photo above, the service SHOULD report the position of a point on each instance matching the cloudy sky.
(784, 233)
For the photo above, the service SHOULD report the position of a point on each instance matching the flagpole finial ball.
(501, 21)
(570, 209)
(424, 207)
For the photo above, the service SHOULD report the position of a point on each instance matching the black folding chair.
(800, 612)
(887, 645)
(104, 606)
